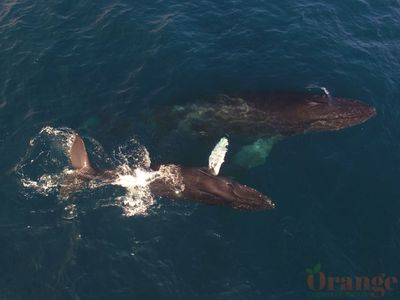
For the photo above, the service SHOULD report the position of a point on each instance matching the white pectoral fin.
(217, 156)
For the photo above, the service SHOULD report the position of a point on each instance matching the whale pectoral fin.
(78, 155)
(217, 156)
(255, 154)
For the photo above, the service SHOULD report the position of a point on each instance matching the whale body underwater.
(193, 184)
(263, 118)
(268, 114)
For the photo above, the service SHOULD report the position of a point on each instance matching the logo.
(325, 285)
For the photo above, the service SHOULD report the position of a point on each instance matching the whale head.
(217, 190)
(319, 113)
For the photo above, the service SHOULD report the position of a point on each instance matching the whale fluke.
(78, 155)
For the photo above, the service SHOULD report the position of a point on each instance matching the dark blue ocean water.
(95, 66)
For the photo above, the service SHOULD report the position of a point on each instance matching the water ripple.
(94, 65)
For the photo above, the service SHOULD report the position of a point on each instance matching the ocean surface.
(98, 68)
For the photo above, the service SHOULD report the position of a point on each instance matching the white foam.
(133, 173)
(71, 211)
(139, 178)
(138, 198)
(44, 185)
(325, 90)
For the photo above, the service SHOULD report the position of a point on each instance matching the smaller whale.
(175, 181)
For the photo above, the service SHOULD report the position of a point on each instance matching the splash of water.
(137, 183)
(138, 198)
(44, 185)
(42, 167)
(325, 90)
(48, 153)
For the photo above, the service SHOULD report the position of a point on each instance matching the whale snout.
(342, 113)
(368, 113)
(217, 190)
(249, 198)
(354, 112)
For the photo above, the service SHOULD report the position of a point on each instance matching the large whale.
(175, 181)
(259, 116)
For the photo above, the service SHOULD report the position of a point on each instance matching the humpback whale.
(175, 181)
(259, 116)
(270, 114)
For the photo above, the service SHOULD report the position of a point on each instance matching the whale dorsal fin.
(78, 154)
(217, 156)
